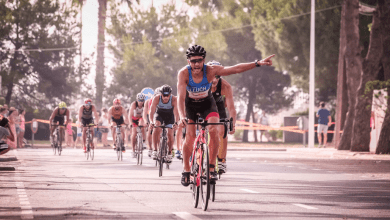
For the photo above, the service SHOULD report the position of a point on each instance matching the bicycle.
(200, 166)
(119, 143)
(90, 151)
(139, 147)
(57, 139)
(163, 150)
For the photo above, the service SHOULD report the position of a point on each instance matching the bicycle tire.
(212, 189)
(59, 150)
(161, 159)
(92, 153)
(88, 151)
(194, 187)
(141, 151)
(205, 176)
(119, 148)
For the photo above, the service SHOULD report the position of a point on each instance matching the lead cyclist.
(194, 97)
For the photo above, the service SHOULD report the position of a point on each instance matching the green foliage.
(302, 113)
(282, 27)
(38, 78)
(276, 134)
(238, 134)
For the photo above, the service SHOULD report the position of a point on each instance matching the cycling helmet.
(166, 90)
(196, 50)
(88, 101)
(140, 97)
(117, 101)
(62, 105)
(157, 91)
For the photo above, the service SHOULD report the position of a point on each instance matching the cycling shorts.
(135, 121)
(86, 121)
(118, 121)
(58, 119)
(206, 108)
(166, 118)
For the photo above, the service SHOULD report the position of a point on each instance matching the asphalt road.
(259, 184)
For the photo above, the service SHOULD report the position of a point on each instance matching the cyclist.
(163, 110)
(85, 117)
(136, 109)
(223, 95)
(145, 116)
(117, 116)
(194, 97)
(58, 115)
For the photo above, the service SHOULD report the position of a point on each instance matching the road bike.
(119, 143)
(90, 151)
(57, 139)
(139, 148)
(163, 150)
(200, 166)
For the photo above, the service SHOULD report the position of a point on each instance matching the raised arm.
(182, 81)
(238, 68)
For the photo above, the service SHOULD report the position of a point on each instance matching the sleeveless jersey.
(198, 90)
(87, 114)
(138, 111)
(218, 94)
(165, 107)
(63, 115)
(117, 113)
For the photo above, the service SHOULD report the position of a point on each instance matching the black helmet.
(166, 90)
(196, 50)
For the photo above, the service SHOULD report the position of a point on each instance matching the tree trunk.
(353, 64)
(249, 110)
(371, 66)
(342, 95)
(254, 120)
(99, 79)
(383, 146)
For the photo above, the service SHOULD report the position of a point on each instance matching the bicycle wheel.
(212, 189)
(92, 152)
(88, 151)
(205, 177)
(161, 159)
(194, 186)
(141, 150)
(138, 151)
(59, 150)
(119, 148)
(59, 141)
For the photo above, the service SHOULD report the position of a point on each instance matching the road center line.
(305, 206)
(248, 190)
(186, 215)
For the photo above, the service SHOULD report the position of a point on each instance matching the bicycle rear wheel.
(212, 189)
(205, 177)
(194, 186)
(139, 150)
(119, 148)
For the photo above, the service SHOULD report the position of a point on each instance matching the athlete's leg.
(156, 134)
(214, 140)
(171, 140)
(188, 145)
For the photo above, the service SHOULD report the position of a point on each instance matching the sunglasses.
(165, 95)
(196, 61)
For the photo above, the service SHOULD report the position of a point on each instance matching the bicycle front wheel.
(194, 187)
(205, 177)
(119, 148)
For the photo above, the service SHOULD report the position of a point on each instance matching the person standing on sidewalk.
(324, 121)
(264, 121)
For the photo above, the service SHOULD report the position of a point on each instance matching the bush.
(238, 134)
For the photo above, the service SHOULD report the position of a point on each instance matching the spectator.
(22, 127)
(5, 135)
(104, 127)
(79, 134)
(324, 121)
(69, 134)
(264, 121)
(6, 114)
(12, 120)
(3, 111)
(98, 132)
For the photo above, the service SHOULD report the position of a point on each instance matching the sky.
(90, 31)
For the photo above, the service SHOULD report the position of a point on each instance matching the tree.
(371, 67)
(33, 68)
(353, 66)
(282, 27)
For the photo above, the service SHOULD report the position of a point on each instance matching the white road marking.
(248, 190)
(186, 215)
(305, 206)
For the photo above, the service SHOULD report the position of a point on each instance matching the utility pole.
(312, 75)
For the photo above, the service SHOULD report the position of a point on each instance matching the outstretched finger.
(270, 57)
